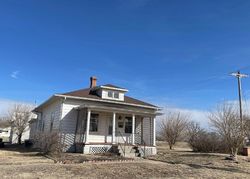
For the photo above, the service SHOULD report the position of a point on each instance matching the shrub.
(49, 143)
(202, 141)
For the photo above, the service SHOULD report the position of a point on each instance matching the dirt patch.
(177, 164)
(75, 158)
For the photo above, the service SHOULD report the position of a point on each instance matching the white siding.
(44, 119)
(33, 129)
(121, 136)
(101, 135)
(68, 125)
(5, 135)
(48, 111)
(81, 125)
(67, 119)
(34, 125)
(146, 124)
(10, 135)
(25, 136)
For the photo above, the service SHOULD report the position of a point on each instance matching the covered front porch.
(99, 128)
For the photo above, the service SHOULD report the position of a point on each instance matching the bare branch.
(19, 116)
(226, 121)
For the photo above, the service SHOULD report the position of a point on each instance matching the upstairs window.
(116, 95)
(113, 94)
(94, 122)
(110, 94)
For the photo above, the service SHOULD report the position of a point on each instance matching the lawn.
(179, 163)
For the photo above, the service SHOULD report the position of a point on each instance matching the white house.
(5, 133)
(97, 119)
(8, 135)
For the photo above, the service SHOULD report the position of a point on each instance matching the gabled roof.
(90, 93)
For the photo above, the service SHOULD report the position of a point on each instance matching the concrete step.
(126, 148)
(130, 155)
(130, 151)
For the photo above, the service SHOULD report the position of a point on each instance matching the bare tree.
(226, 121)
(172, 128)
(19, 116)
(247, 125)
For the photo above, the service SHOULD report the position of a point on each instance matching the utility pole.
(238, 75)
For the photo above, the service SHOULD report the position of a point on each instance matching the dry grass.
(178, 164)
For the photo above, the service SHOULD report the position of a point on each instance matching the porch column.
(153, 133)
(113, 128)
(87, 127)
(133, 129)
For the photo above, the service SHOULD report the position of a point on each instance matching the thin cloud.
(200, 116)
(14, 74)
(5, 104)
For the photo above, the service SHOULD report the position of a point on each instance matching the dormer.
(112, 92)
(107, 91)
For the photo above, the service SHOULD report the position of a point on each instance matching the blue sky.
(169, 52)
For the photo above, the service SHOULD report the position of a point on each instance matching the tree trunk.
(19, 139)
(234, 153)
(170, 146)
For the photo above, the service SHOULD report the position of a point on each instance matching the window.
(113, 94)
(52, 121)
(120, 124)
(110, 94)
(128, 125)
(116, 95)
(110, 126)
(43, 126)
(94, 122)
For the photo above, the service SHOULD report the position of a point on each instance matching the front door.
(124, 129)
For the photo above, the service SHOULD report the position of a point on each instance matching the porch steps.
(126, 151)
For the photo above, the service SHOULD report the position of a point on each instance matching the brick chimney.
(93, 80)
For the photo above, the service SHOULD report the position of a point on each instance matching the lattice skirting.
(149, 151)
(93, 149)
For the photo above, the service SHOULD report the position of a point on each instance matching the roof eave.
(113, 88)
(116, 102)
(36, 110)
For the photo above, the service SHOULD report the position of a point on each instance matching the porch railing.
(121, 144)
(141, 146)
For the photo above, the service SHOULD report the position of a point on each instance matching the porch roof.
(117, 110)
